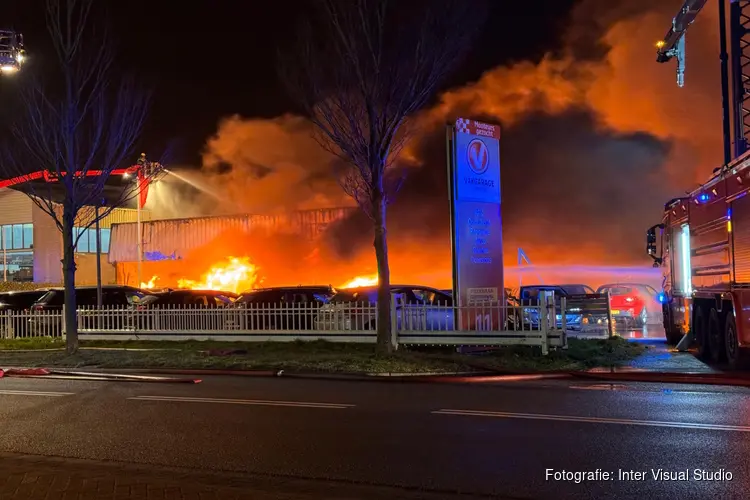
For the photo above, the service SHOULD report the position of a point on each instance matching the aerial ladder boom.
(734, 45)
(673, 44)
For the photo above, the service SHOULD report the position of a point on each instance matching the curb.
(372, 377)
(666, 377)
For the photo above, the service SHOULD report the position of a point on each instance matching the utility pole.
(142, 163)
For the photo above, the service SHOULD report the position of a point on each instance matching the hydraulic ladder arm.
(673, 44)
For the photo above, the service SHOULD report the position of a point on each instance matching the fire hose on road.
(98, 376)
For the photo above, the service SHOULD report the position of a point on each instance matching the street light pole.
(142, 164)
(139, 246)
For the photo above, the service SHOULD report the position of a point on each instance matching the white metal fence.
(423, 324)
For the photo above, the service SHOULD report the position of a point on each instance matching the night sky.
(210, 59)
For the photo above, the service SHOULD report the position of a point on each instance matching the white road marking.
(594, 420)
(251, 402)
(35, 393)
(600, 387)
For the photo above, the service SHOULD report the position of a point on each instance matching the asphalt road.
(495, 439)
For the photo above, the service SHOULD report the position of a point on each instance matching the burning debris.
(359, 281)
(151, 283)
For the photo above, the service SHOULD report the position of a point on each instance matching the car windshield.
(532, 293)
(576, 289)
(627, 289)
(324, 298)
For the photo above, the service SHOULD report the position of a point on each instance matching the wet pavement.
(278, 438)
(660, 357)
(651, 331)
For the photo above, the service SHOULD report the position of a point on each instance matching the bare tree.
(360, 70)
(77, 134)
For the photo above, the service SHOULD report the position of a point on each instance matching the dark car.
(190, 298)
(46, 317)
(112, 296)
(198, 310)
(281, 308)
(21, 300)
(353, 308)
(530, 296)
(17, 324)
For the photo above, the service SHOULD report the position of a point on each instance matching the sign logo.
(478, 156)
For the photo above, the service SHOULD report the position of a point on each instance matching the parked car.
(281, 308)
(112, 296)
(530, 296)
(197, 310)
(44, 320)
(21, 300)
(16, 325)
(190, 298)
(416, 307)
(634, 303)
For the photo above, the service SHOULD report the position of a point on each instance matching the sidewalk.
(26, 477)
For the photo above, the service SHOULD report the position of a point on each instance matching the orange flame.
(359, 281)
(235, 275)
(151, 283)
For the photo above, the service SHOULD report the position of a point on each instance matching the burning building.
(232, 252)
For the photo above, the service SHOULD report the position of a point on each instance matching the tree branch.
(361, 68)
(87, 125)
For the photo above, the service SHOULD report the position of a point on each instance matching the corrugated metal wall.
(116, 216)
(177, 237)
(15, 207)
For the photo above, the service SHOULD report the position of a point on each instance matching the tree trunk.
(69, 280)
(384, 276)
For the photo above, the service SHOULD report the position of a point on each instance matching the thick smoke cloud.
(596, 137)
(263, 166)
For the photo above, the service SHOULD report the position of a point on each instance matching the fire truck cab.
(702, 246)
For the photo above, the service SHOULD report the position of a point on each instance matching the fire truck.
(703, 247)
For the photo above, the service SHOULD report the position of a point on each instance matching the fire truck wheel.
(736, 357)
(700, 330)
(715, 337)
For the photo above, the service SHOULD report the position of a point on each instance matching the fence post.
(394, 323)
(544, 325)
(62, 323)
(563, 316)
(9, 330)
(610, 323)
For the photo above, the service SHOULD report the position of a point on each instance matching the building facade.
(31, 243)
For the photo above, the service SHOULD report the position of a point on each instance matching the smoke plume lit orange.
(596, 137)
